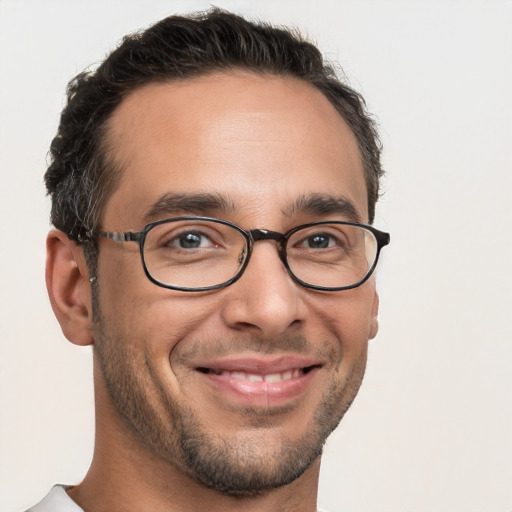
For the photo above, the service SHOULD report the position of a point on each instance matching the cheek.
(348, 317)
(155, 320)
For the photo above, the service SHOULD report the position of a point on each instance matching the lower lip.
(261, 393)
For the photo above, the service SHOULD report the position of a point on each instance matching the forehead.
(258, 141)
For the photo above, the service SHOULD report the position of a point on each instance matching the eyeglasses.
(195, 254)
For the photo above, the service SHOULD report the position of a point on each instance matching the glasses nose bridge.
(256, 235)
(266, 234)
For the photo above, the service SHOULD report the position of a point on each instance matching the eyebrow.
(206, 203)
(323, 204)
(172, 204)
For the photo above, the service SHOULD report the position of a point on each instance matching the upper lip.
(258, 365)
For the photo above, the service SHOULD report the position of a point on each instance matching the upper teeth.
(256, 377)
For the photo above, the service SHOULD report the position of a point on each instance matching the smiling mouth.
(294, 373)
(258, 381)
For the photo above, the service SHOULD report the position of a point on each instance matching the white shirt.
(57, 500)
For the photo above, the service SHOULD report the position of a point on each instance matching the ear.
(374, 320)
(69, 289)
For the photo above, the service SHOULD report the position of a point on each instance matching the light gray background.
(430, 430)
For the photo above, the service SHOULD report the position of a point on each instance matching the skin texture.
(168, 437)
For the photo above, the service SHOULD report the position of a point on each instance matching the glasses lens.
(194, 253)
(332, 255)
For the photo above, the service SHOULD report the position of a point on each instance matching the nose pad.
(241, 256)
(266, 298)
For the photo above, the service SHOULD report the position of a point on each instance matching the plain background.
(431, 427)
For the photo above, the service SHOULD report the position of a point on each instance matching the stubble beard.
(173, 432)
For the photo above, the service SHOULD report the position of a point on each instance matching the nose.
(265, 299)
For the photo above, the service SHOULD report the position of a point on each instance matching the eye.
(319, 241)
(325, 241)
(191, 240)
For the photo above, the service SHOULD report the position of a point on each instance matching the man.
(213, 187)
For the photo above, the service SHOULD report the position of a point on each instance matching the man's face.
(238, 387)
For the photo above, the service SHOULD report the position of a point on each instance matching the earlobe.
(67, 282)
(374, 321)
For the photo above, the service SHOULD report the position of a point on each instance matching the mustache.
(298, 345)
